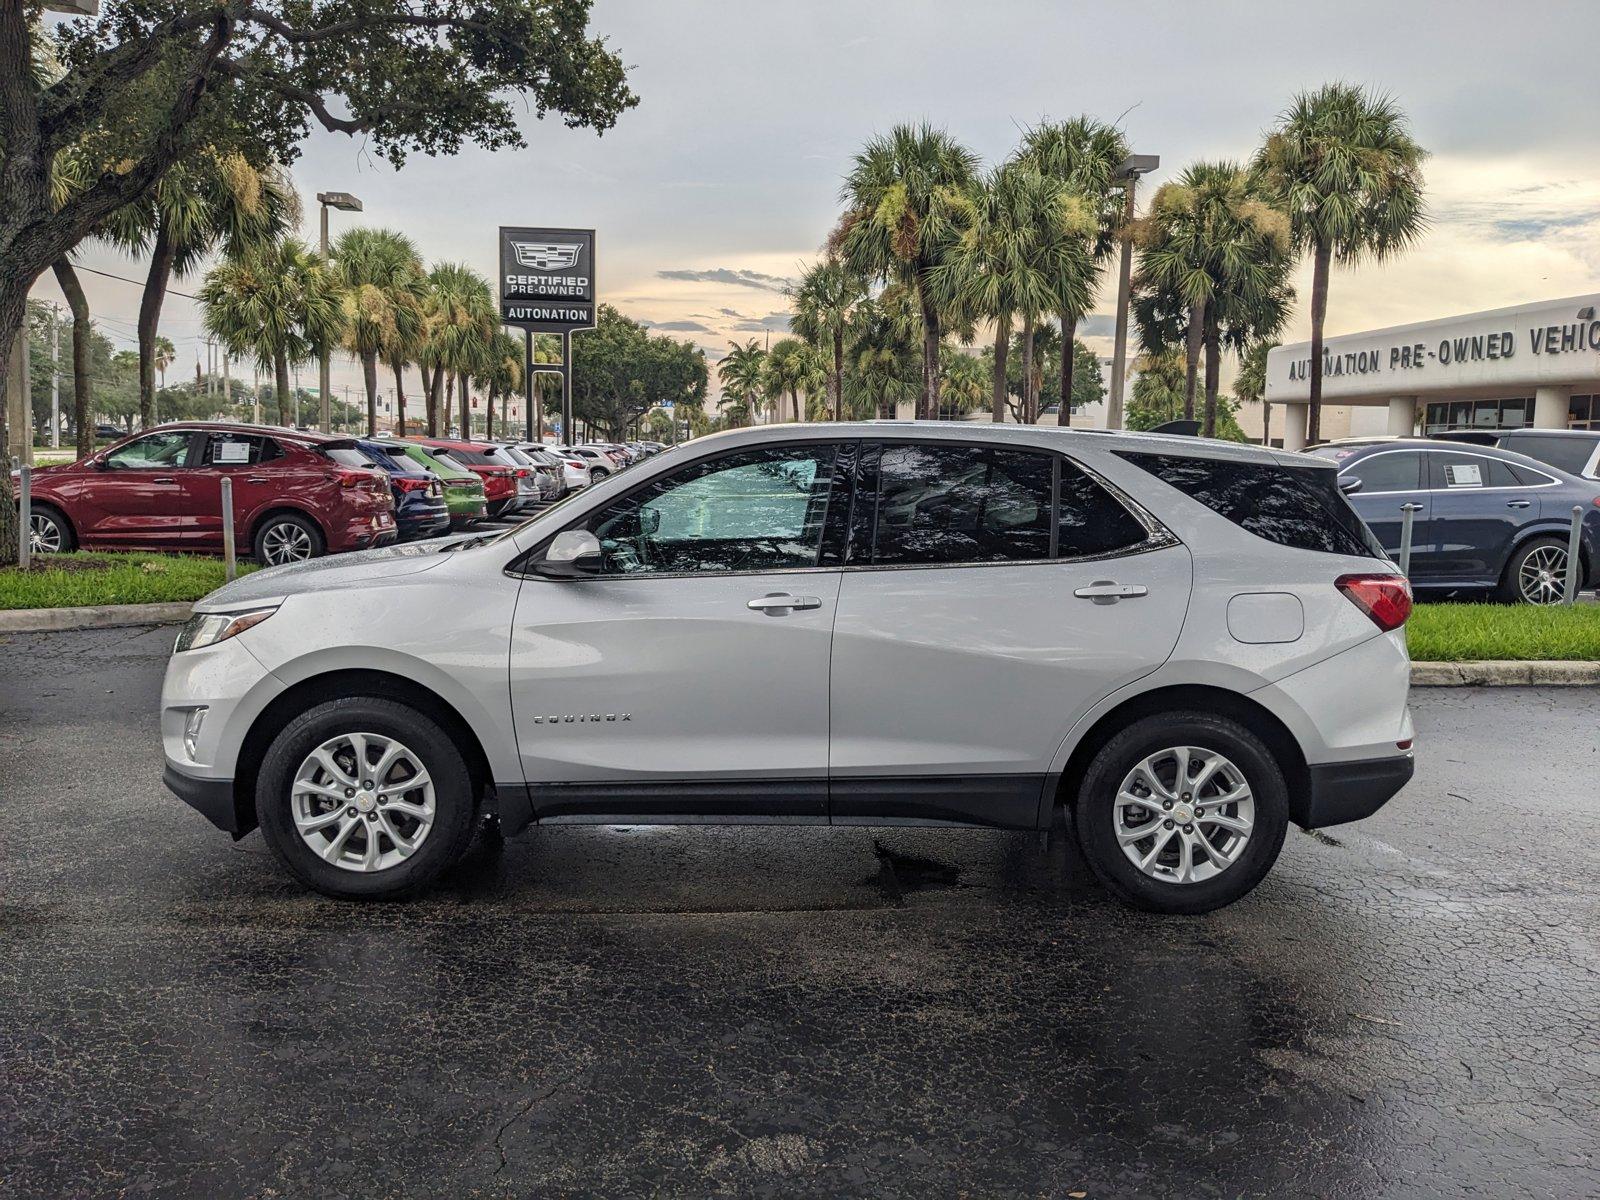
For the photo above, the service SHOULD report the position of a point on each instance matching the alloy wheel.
(285, 543)
(1184, 814)
(44, 535)
(363, 802)
(1542, 577)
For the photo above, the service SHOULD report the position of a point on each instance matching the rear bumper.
(1350, 791)
(211, 798)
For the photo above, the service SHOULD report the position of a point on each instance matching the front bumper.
(1350, 791)
(211, 798)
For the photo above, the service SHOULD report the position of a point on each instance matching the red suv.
(499, 475)
(162, 489)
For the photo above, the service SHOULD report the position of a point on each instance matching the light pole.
(1129, 171)
(345, 202)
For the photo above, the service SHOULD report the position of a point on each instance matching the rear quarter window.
(1300, 507)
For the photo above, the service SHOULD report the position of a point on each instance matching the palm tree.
(164, 352)
(209, 200)
(903, 199)
(885, 363)
(965, 382)
(740, 373)
(276, 303)
(1343, 163)
(1023, 251)
(384, 291)
(1217, 247)
(501, 373)
(461, 323)
(790, 367)
(1084, 154)
(824, 302)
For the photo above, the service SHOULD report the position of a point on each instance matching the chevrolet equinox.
(1184, 644)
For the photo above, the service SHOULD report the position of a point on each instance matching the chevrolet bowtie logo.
(546, 256)
(576, 718)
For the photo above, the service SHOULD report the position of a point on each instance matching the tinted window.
(154, 450)
(759, 510)
(1568, 453)
(1392, 471)
(1457, 472)
(236, 450)
(961, 504)
(1291, 506)
(1526, 476)
(1091, 521)
(349, 456)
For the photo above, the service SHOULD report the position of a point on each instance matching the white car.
(574, 470)
(1185, 644)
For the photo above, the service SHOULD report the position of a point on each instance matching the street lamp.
(1129, 171)
(345, 202)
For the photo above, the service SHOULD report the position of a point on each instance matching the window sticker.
(230, 452)
(1463, 475)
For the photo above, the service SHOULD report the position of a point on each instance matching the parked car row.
(296, 494)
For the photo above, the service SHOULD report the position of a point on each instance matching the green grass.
(75, 580)
(1473, 632)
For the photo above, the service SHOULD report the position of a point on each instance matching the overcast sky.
(726, 177)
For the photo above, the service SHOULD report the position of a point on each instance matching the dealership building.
(1530, 365)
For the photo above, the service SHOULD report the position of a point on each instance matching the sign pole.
(527, 387)
(566, 389)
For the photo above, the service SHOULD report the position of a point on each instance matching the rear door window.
(1461, 472)
(237, 450)
(952, 503)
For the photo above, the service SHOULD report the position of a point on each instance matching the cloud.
(730, 312)
(678, 326)
(1097, 326)
(738, 278)
(778, 321)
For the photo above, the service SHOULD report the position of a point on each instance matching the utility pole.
(345, 202)
(55, 377)
(1129, 171)
(227, 383)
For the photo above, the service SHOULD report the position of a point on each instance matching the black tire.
(54, 526)
(1510, 591)
(287, 527)
(598, 473)
(1095, 820)
(455, 805)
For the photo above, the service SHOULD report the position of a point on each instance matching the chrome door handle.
(163, 479)
(1518, 503)
(1411, 506)
(256, 479)
(783, 602)
(1104, 591)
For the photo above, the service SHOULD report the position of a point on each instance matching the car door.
(242, 457)
(991, 597)
(1477, 509)
(136, 497)
(688, 674)
(1391, 480)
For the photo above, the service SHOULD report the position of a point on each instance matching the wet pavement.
(1406, 1007)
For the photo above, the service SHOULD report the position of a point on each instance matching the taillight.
(523, 472)
(1384, 598)
(406, 484)
(353, 479)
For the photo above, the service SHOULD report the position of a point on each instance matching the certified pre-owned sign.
(547, 279)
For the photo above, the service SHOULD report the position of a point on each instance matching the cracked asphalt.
(1407, 1007)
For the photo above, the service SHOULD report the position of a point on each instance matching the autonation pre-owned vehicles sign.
(547, 279)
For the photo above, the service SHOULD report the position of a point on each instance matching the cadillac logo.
(547, 256)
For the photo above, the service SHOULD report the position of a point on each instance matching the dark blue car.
(419, 506)
(1485, 519)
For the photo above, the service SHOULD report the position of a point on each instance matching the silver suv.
(1183, 644)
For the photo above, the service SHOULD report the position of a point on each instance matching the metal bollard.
(229, 562)
(25, 518)
(1408, 515)
(1570, 595)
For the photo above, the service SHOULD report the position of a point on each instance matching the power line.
(136, 282)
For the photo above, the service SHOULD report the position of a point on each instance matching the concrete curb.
(100, 616)
(1505, 673)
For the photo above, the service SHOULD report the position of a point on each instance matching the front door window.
(156, 451)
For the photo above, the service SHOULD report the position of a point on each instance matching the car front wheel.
(49, 532)
(365, 798)
(1182, 812)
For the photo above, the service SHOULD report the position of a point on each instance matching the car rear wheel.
(49, 532)
(1182, 812)
(1537, 573)
(365, 798)
(286, 538)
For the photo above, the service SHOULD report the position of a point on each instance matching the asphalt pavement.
(1406, 1007)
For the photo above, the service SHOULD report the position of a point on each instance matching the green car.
(463, 491)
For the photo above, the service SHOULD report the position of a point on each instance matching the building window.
(1514, 413)
(1583, 412)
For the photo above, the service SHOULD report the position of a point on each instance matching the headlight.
(207, 629)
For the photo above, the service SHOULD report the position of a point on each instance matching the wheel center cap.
(366, 803)
(1182, 814)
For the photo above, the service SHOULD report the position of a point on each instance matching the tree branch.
(237, 69)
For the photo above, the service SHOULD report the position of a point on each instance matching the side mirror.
(572, 553)
(1350, 485)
